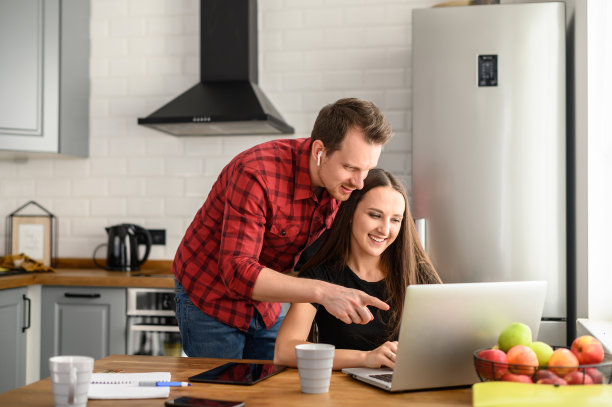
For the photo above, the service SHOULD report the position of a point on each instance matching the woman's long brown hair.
(403, 263)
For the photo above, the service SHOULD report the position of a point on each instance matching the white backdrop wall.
(146, 52)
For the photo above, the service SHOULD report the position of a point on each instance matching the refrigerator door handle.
(421, 228)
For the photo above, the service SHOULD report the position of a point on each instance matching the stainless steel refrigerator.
(489, 155)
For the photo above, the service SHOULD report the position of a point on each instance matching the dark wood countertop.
(78, 272)
(282, 389)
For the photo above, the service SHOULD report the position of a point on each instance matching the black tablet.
(238, 373)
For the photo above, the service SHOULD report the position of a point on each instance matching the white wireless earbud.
(319, 159)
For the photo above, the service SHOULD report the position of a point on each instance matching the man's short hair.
(334, 120)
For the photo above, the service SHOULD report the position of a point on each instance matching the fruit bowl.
(487, 370)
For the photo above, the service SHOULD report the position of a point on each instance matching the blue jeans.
(205, 336)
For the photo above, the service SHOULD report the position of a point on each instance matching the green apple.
(516, 333)
(542, 351)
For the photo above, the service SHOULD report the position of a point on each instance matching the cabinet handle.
(81, 295)
(29, 303)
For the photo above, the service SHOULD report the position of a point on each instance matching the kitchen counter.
(281, 389)
(156, 274)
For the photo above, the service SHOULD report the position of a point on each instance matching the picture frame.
(32, 234)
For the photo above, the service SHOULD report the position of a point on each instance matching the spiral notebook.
(125, 386)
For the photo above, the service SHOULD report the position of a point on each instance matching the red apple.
(521, 378)
(588, 350)
(578, 378)
(562, 362)
(595, 375)
(494, 365)
(545, 374)
(522, 360)
(553, 380)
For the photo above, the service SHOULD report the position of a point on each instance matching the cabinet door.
(29, 75)
(86, 321)
(12, 339)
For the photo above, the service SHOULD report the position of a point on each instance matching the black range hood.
(227, 100)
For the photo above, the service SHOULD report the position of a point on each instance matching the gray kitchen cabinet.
(44, 76)
(89, 321)
(14, 320)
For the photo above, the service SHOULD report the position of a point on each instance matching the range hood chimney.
(227, 100)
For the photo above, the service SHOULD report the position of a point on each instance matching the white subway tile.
(398, 99)
(183, 206)
(108, 166)
(342, 80)
(302, 40)
(164, 65)
(17, 188)
(127, 27)
(145, 207)
(108, 207)
(126, 187)
(149, 46)
(146, 166)
(109, 87)
(127, 107)
(203, 146)
(161, 144)
(307, 81)
(87, 227)
(199, 186)
(322, 17)
(364, 15)
(149, 8)
(282, 19)
(397, 119)
(98, 108)
(127, 147)
(165, 25)
(165, 186)
(127, 67)
(90, 187)
(282, 61)
(384, 78)
(108, 8)
(35, 168)
(109, 47)
(70, 207)
(387, 36)
(183, 166)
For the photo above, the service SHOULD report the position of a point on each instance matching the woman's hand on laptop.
(383, 356)
(349, 305)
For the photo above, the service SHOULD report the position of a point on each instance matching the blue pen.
(164, 384)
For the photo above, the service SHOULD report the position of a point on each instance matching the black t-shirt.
(351, 336)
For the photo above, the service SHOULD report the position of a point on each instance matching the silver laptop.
(443, 324)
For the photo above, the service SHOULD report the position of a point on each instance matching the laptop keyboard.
(386, 377)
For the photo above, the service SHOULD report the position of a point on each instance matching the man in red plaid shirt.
(268, 204)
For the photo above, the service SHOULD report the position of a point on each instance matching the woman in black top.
(372, 246)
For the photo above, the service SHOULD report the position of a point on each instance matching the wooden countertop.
(77, 272)
(281, 389)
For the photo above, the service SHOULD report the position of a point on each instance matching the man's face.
(344, 170)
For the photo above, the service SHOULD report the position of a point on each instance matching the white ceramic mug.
(70, 377)
(314, 361)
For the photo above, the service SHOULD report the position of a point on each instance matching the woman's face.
(377, 221)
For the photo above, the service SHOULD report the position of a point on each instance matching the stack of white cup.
(70, 377)
(314, 361)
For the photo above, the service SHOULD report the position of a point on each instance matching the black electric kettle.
(122, 247)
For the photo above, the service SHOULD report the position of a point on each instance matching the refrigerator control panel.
(487, 70)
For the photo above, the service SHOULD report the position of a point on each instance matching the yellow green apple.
(542, 351)
(516, 333)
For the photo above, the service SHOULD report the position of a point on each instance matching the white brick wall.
(145, 52)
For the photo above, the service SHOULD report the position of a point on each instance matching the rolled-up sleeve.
(244, 223)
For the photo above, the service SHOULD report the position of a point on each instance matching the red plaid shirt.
(261, 212)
